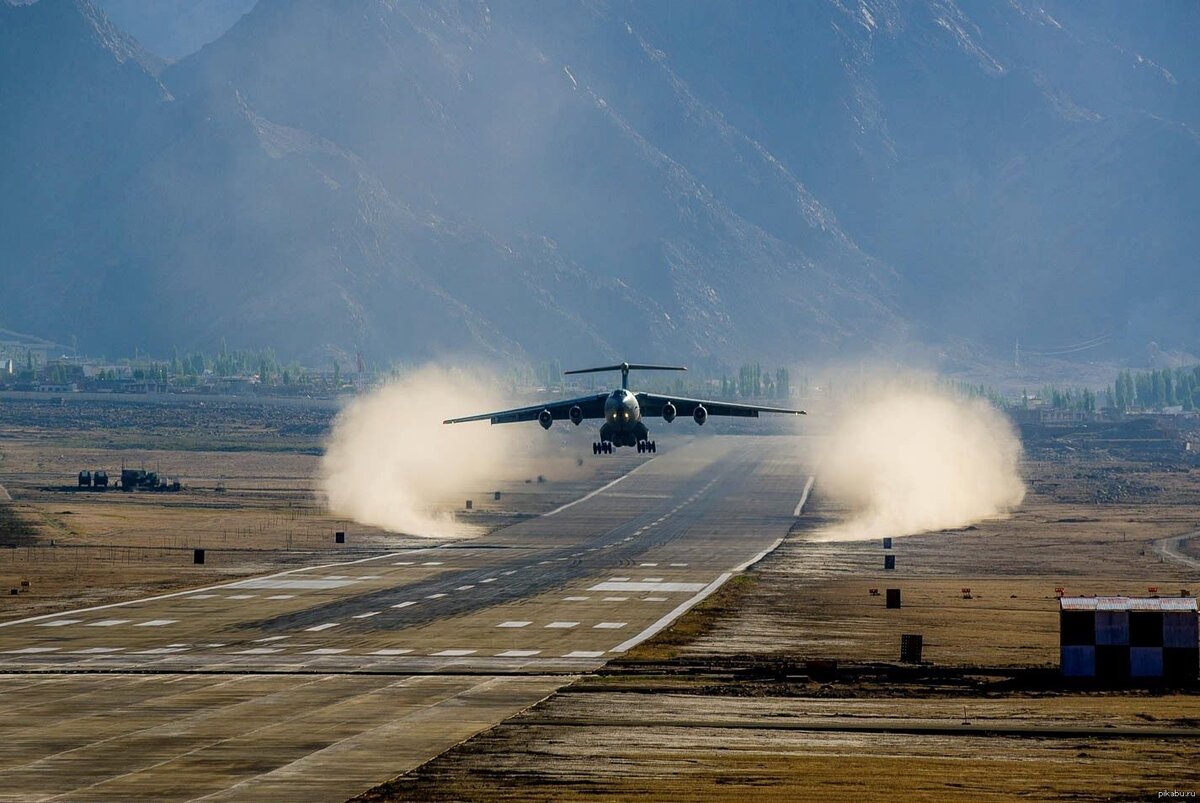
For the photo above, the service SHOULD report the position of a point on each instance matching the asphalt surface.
(323, 661)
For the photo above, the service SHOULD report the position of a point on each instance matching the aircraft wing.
(591, 406)
(652, 405)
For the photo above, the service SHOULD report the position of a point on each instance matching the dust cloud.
(915, 460)
(390, 461)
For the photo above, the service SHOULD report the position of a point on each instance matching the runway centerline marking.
(107, 623)
(584, 654)
(562, 625)
(391, 652)
(518, 653)
(367, 615)
(609, 625)
(60, 623)
(453, 653)
(156, 623)
(319, 628)
(404, 604)
(514, 624)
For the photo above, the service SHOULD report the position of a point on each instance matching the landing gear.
(647, 446)
(602, 447)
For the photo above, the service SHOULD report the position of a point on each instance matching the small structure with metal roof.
(1122, 638)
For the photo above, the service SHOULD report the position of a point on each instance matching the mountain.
(711, 181)
(173, 29)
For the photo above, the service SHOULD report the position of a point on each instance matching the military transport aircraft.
(623, 410)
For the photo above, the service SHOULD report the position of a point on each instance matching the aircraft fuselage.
(623, 419)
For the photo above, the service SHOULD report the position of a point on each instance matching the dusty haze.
(915, 460)
(390, 460)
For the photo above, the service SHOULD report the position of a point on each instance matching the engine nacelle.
(545, 418)
(669, 412)
(576, 414)
(700, 414)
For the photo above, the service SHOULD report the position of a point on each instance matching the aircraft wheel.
(654, 447)
(595, 448)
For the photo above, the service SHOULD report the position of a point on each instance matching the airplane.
(623, 410)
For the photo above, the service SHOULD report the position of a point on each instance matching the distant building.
(1123, 638)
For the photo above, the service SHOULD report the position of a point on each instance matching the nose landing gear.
(602, 447)
(647, 446)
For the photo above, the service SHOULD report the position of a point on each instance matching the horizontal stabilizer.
(627, 366)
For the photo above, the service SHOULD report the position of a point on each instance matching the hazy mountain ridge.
(701, 181)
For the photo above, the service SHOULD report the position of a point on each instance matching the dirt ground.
(786, 684)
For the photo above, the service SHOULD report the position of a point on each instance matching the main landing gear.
(647, 446)
(602, 447)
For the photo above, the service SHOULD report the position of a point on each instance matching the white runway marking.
(562, 625)
(259, 651)
(654, 599)
(432, 563)
(599, 490)
(645, 586)
(365, 615)
(316, 584)
(510, 571)
(614, 599)
(453, 653)
(97, 650)
(652, 579)
(675, 613)
(648, 565)
(678, 565)
(488, 580)
(808, 486)
(609, 625)
(319, 628)
(464, 588)
(514, 624)
(60, 622)
(269, 639)
(203, 596)
(107, 623)
(30, 650)
(435, 596)
(517, 653)
(337, 577)
(404, 563)
(617, 579)
(282, 596)
(576, 599)
(241, 596)
(391, 652)
(327, 651)
(404, 604)
(370, 576)
(156, 623)
(584, 654)
(162, 651)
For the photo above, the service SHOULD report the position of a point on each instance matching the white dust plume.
(390, 461)
(916, 460)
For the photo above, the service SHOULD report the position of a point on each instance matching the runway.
(479, 628)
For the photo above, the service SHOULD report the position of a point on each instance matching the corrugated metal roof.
(1127, 603)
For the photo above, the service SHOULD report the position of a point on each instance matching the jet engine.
(576, 414)
(545, 418)
(700, 414)
(668, 412)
